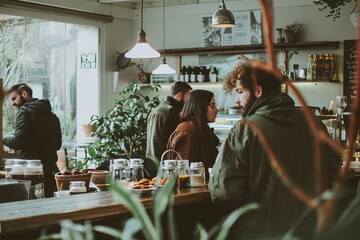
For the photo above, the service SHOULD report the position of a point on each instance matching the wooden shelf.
(252, 48)
(315, 81)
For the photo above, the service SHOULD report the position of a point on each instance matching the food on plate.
(142, 184)
(162, 181)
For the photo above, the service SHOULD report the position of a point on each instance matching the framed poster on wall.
(349, 83)
(247, 30)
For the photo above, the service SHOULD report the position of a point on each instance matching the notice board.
(350, 56)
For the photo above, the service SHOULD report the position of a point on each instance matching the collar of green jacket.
(174, 103)
(275, 106)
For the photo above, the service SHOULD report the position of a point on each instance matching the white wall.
(183, 30)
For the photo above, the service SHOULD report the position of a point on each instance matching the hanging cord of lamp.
(142, 49)
(223, 18)
(164, 68)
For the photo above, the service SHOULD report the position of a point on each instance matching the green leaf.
(230, 220)
(133, 204)
(109, 231)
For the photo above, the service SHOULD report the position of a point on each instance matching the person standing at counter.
(242, 172)
(37, 132)
(163, 120)
(193, 139)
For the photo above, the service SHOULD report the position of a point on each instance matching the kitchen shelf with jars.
(208, 65)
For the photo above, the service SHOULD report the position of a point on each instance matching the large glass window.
(59, 61)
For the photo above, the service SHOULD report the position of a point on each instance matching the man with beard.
(37, 132)
(242, 172)
(163, 120)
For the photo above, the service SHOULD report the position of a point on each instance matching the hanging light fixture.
(223, 18)
(142, 49)
(164, 68)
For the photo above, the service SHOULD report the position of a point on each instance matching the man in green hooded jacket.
(242, 172)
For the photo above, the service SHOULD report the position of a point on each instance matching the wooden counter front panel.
(36, 214)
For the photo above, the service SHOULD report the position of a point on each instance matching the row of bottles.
(198, 74)
(321, 67)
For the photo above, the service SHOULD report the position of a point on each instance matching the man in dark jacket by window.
(164, 119)
(37, 132)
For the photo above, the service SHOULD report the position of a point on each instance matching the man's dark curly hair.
(244, 72)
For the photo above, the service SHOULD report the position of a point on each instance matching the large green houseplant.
(121, 132)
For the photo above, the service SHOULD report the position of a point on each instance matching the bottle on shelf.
(182, 74)
(321, 67)
(315, 67)
(187, 74)
(332, 67)
(309, 68)
(199, 74)
(193, 74)
(340, 134)
(327, 67)
(213, 74)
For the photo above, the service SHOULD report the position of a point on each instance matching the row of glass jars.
(133, 170)
(130, 170)
(193, 177)
(31, 170)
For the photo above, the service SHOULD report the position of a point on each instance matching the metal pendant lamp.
(142, 49)
(164, 68)
(223, 18)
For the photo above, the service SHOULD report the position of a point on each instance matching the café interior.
(84, 47)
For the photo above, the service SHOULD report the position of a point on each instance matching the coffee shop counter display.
(34, 215)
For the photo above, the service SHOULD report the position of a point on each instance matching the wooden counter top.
(39, 213)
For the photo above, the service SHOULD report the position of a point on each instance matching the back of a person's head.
(19, 88)
(245, 73)
(179, 86)
(195, 107)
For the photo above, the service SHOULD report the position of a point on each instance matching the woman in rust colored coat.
(193, 139)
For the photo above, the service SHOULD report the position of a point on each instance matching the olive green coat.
(242, 172)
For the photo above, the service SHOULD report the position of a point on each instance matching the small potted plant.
(293, 31)
(143, 74)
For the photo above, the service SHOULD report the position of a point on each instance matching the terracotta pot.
(63, 181)
(88, 129)
(100, 179)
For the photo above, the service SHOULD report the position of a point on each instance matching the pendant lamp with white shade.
(164, 68)
(223, 18)
(142, 49)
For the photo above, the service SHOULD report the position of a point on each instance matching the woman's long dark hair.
(195, 108)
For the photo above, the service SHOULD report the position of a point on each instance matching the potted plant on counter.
(121, 132)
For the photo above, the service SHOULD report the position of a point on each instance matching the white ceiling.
(154, 3)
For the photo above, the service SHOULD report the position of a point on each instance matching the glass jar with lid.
(8, 167)
(17, 169)
(120, 165)
(197, 174)
(77, 187)
(183, 173)
(171, 169)
(136, 169)
(34, 172)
